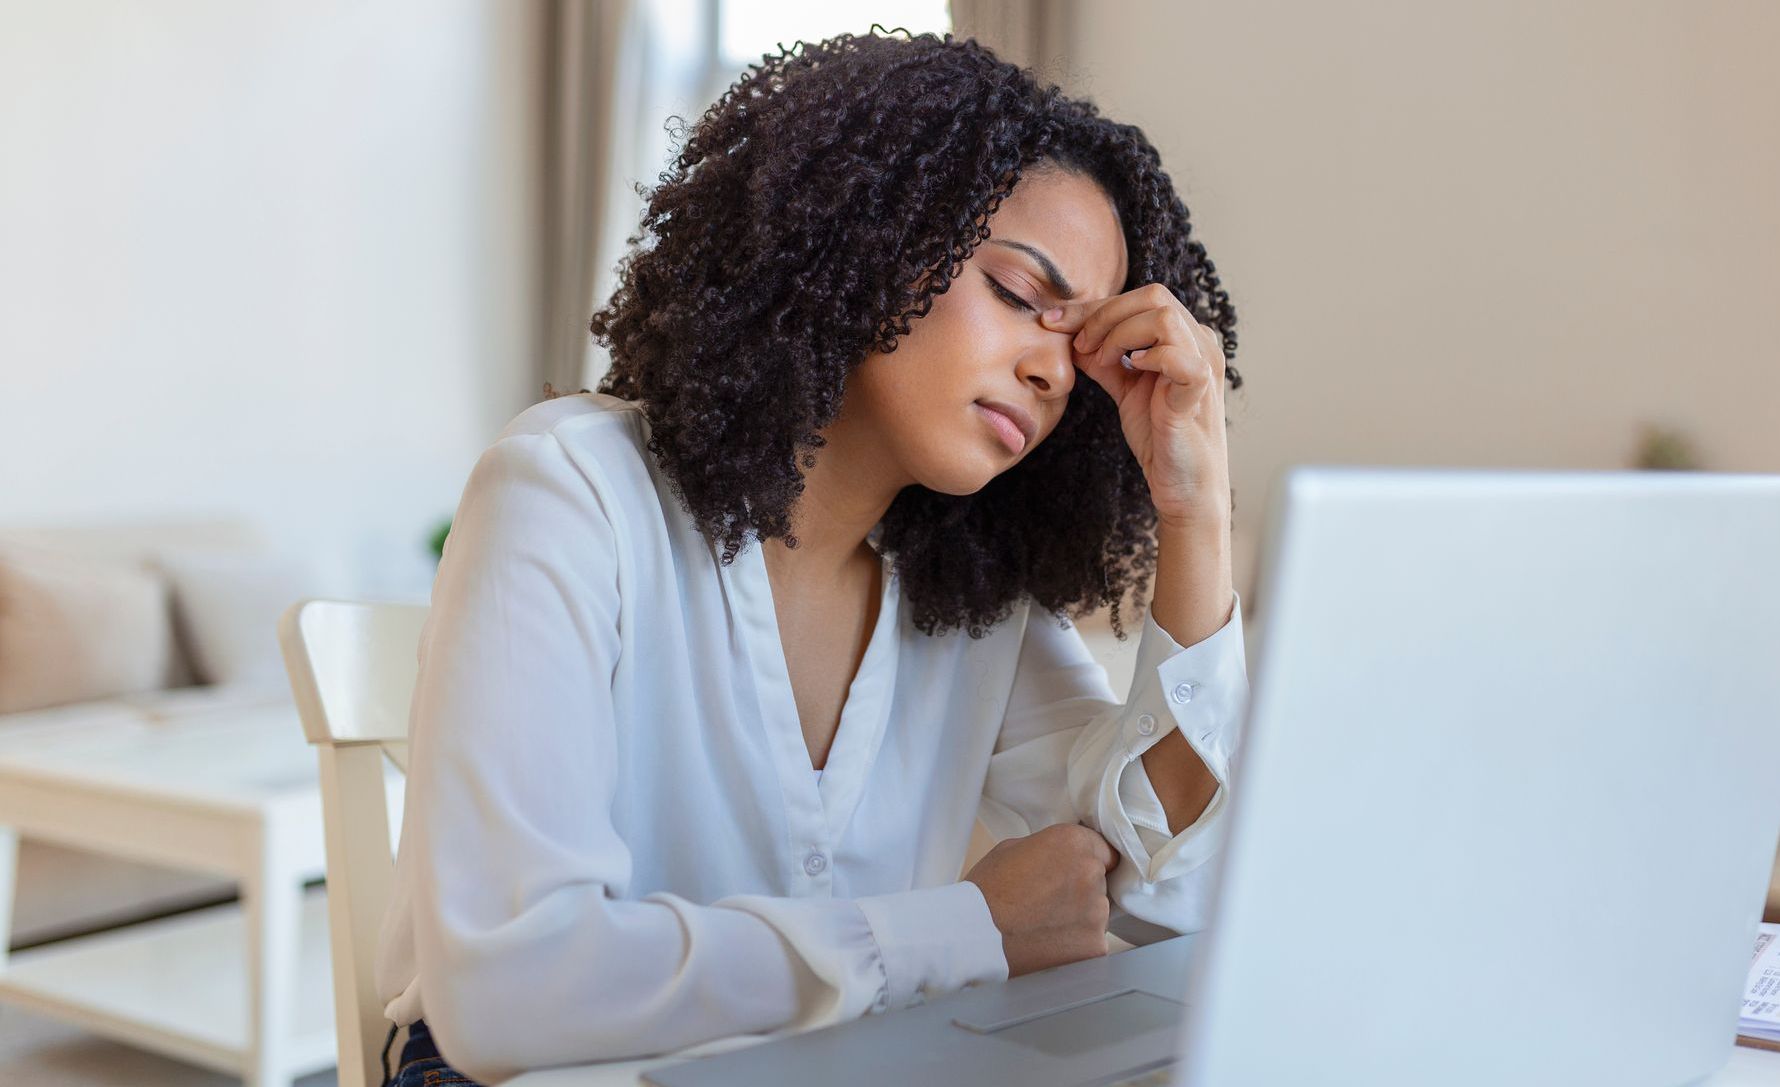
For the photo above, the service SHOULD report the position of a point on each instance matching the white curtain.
(615, 71)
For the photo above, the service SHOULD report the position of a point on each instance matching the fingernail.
(1053, 315)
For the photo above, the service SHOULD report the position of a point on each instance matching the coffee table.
(243, 988)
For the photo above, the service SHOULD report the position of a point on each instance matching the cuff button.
(1183, 692)
(1146, 725)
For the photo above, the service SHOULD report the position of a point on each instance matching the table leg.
(9, 868)
(272, 906)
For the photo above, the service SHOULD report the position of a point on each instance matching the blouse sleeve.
(527, 952)
(1070, 752)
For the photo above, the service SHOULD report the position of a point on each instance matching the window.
(746, 29)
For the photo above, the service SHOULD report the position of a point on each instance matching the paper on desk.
(1761, 997)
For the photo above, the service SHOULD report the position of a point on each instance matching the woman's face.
(982, 341)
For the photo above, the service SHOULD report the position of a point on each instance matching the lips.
(1014, 425)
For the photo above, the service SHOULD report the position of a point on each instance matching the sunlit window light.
(747, 29)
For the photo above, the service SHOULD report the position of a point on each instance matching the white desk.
(1746, 1068)
(1155, 965)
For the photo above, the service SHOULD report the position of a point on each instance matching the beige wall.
(1498, 233)
(1494, 233)
(273, 259)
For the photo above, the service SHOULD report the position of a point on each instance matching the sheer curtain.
(615, 72)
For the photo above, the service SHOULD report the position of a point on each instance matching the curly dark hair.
(813, 213)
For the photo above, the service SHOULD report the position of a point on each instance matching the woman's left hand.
(1171, 400)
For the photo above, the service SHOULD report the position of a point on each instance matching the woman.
(725, 657)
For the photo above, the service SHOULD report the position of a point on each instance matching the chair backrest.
(352, 667)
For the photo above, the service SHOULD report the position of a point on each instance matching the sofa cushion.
(74, 629)
(226, 606)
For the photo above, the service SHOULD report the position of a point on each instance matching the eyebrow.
(1059, 285)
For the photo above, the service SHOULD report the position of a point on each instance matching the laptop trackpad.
(1086, 1027)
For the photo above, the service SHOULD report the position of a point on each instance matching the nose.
(1049, 367)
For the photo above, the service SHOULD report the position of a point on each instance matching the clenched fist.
(1047, 895)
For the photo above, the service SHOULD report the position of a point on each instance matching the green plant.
(436, 541)
(1665, 449)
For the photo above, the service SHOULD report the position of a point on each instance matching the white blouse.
(614, 843)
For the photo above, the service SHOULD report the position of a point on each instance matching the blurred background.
(273, 274)
(300, 262)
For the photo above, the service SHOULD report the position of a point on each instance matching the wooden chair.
(352, 667)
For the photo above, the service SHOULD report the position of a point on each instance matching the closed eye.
(1008, 296)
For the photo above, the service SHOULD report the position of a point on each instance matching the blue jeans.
(421, 1065)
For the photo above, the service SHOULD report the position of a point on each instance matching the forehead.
(1070, 218)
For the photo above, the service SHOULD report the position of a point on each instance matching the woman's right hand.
(1047, 895)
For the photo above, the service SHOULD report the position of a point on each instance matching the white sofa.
(61, 891)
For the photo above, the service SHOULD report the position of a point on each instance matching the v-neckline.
(879, 583)
(834, 793)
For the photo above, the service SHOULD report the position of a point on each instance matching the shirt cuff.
(933, 940)
(1201, 690)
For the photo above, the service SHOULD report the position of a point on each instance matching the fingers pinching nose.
(1067, 318)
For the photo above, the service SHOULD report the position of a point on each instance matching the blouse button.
(815, 863)
(1183, 692)
(1146, 725)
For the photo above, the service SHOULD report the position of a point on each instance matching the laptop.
(1504, 811)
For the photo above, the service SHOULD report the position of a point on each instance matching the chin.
(962, 477)
(959, 492)
(957, 462)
